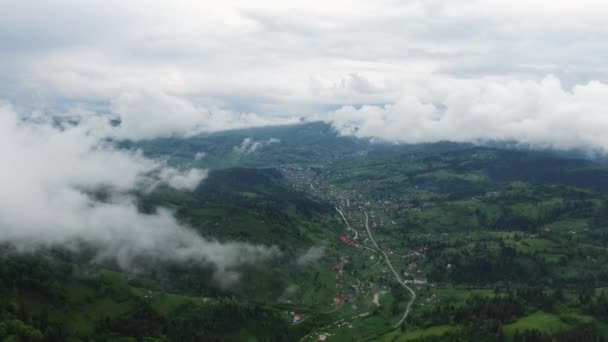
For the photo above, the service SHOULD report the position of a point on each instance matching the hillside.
(253, 205)
(55, 294)
(308, 143)
(496, 243)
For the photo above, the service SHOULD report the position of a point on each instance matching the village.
(360, 288)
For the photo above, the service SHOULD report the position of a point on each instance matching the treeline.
(34, 299)
(20, 276)
(500, 308)
(485, 265)
(483, 318)
(586, 333)
(19, 324)
(222, 320)
(32, 272)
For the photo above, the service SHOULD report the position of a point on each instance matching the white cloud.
(182, 180)
(153, 114)
(289, 57)
(541, 114)
(313, 254)
(49, 180)
(249, 146)
(199, 155)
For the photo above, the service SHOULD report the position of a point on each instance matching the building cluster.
(349, 242)
(302, 178)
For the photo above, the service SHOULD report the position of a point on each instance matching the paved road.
(348, 227)
(390, 265)
(376, 301)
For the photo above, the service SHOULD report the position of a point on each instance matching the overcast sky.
(289, 57)
(173, 67)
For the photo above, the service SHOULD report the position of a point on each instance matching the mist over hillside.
(414, 170)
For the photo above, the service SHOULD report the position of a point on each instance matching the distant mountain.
(309, 143)
(313, 143)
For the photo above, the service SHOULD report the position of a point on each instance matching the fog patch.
(249, 146)
(290, 291)
(199, 155)
(313, 254)
(153, 113)
(50, 176)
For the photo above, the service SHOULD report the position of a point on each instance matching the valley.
(293, 171)
(377, 242)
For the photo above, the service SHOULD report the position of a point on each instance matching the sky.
(178, 67)
(406, 71)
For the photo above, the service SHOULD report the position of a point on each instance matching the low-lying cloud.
(539, 114)
(249, 146)
(51, 176)
(313, 254)
(199, 155)
(153, 114)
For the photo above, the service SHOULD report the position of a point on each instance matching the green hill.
(503, 244)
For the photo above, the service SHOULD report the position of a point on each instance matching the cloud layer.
(540, 114)
(65, 185)
(413, 70)
(277, 58)
(147, 114)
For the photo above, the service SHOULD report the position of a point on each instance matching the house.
(347, 241)
(416, 281)
(296, 318)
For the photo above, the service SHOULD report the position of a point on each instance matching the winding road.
(348, 227)
(390, 265)
(376, 299)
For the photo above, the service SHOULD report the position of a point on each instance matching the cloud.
(51, 178)
(164, 76)
(249, 146)
(313, 254)
(540, 114)
(199, 155)
(182, 180)
(152, 114)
